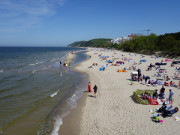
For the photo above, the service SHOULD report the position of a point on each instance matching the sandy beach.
(113, 111)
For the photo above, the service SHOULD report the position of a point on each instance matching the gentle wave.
(57, 125)
(33, 64)
(1, 70)
(54, 94)
(54, 59)
(72, 103)
(38, 63)
(34, 71)
(60, 74)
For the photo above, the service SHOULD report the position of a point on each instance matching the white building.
(120, 40)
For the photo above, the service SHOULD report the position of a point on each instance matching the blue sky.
(61, 22)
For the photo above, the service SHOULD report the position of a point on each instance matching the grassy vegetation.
(100, 42)
(166, 44)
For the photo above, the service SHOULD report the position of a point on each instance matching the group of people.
(171, 83)
(145, 95)
(95, 89)
(64, 64)
(161, 95)
(94, 64)
(166, 112)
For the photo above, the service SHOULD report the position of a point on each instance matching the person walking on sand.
(89, 87)
(95, 90)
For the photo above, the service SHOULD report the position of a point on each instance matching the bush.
(136, 96)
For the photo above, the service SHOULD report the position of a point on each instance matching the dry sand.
(113, 112)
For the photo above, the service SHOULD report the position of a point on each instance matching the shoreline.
(71, 123)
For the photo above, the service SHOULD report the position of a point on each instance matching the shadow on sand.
(91, 96)
(86, 91)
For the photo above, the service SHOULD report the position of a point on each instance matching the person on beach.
(95, 90)
(141, 78)
(171, 84)
(139, 74)
(60, 63)
(170, 96)
(89, 87)
(162, 91)
(157, 119)
(155, 94)
(170, 112)
(163, 108)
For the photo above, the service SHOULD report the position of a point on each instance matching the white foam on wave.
(60, 74)
(54, 94)
(1, 70)
(32, 64)
(72, 101)
(34, 71)
(38, 63)
(57, 125)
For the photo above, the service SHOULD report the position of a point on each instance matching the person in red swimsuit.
(89, 87)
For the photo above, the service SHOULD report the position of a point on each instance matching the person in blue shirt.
(170, 96)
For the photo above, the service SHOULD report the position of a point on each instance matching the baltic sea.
(35, 91)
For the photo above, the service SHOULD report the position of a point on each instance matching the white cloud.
(24, 13)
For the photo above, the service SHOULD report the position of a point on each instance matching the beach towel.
(119, 70)
(159, 83)
(143, 60)
(160, 63)
(109, 61)
(130, 60)
(154, 102)
(168, 60)
(120, 62)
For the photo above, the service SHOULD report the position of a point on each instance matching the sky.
(61, 22)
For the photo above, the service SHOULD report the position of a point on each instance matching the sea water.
(35, 91)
